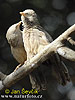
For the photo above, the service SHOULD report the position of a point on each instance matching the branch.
(29, 66)
(66, 53)
(71, 41)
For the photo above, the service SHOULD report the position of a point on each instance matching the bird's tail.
(61, 71)
(38, 80)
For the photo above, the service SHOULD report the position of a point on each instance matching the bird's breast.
(30, 40)
(19, 54)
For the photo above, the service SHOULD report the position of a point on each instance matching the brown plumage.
(35, 38)
(24, 45)
(14, 37)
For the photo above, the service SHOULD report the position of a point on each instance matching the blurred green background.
(55, 16)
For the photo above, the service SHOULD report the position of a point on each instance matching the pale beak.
(18, 25)
(23, 14)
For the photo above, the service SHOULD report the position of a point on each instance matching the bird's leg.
(18, 67)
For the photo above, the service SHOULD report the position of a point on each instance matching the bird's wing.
(48, 36)
(60, 69)
(59, 66)
(42, 36)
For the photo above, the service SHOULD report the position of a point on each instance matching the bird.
(35, 39)
(37, 78)
(14, 37)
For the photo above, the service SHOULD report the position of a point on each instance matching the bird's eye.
(26, 14)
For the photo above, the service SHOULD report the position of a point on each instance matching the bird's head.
(14, 28)
(29, 16)
(13, 32)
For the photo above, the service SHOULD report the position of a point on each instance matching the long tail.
(61, 70)
(38, 80)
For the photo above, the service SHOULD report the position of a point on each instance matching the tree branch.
(55, 46)
(71, 40)
(66, 53)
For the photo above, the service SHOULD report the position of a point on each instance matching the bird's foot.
(27, 62)
(18, 67)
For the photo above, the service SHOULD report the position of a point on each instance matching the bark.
(56, 46)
